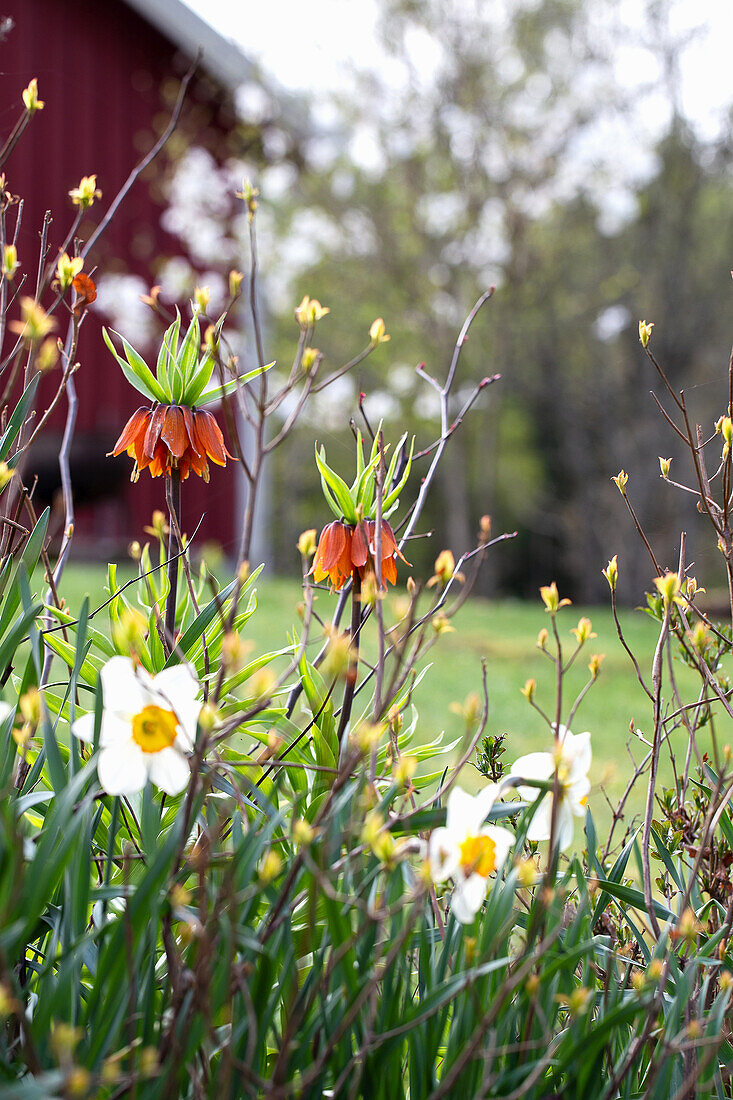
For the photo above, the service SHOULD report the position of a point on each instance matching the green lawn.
(503, 633)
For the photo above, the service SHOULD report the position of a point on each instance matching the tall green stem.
(173, 497)
(353, 669)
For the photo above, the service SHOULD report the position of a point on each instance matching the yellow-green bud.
(48, 354)
(31, 102)
(583, 631)
(307, 543)
(529, 689)
(67, 269)
(6, 475)
(10, 261)
(377, 332)
(645, 332)
(621, 480)
(309, 311)
(611, 572)
(551, 598)
(128, 633)
(270, 867)
(664, 465)
(202, 297)
(303, 833)
(594, 665)
(668, 587)
(235, 282)
(85, 194)
(35, 324)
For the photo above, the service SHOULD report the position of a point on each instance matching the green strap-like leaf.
(137, 372)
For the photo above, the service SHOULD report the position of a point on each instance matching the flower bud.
(366, 737)
(307, 543)
(404, 771)
(30, 706)
(249, 195)
(377, 333)
(234, 651)
(6, 475)
(594, 665)
(67, 269)
(31, 102)
(621, 480)
(583, 631)
(664, 465)
(645, 332)
(668, 587)
(441, 624)
(270, 867)
(202, 297)
(551, 598)
(542, 638)
(529, 689)
(10, 261)
(85, 194)
(235, 282)
(303, 833)
(611, 572)
(48, 355)
(309, 311)
(35, 324)
(128, 633)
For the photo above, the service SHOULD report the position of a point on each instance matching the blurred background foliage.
(515, 158)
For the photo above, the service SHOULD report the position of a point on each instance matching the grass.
(504, 634)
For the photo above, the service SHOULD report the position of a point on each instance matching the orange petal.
(359, 546)
(173, 432)
(190, 428)
(131, 430)
(153, 433)
(159, 461)
(389, 540)
(209, 439)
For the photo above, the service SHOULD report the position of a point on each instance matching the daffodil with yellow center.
(468, 850)
(148, 727)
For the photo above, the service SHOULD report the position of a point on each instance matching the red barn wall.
(100, 70)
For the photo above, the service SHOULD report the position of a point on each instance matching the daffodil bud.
(621, 480)
(10, 261)
(303, 833)
(31, 102)
(645, 332)
(67, 269)
(6, 475)
(270, 867)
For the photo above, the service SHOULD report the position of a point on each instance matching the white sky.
(314, 45)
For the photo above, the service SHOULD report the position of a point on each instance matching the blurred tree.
(474, 158)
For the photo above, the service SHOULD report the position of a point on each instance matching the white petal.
(564, 825)
(581, 756)
(187, 711)
(5, 710)
(483, 801)
(121, 686)
(114, 729)
(539, 826)
(121, 768)
(576, 796)
(443, 854)
(535, 765)
(169, 770)
(460, 811)
(468, 897)
(176, 684)
(83, 727)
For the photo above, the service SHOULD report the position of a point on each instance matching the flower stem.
(353, 653)
(173, 497)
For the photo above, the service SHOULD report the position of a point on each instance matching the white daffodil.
(467, 850)
(571, 759)
(148, 726)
